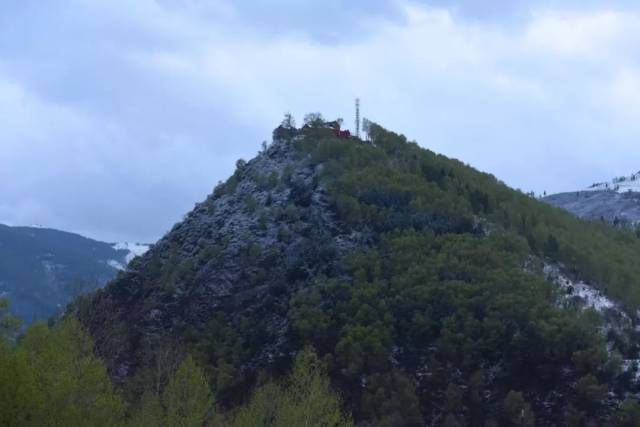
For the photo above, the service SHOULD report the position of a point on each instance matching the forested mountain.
(335, 281)
(42, 270)
(435, 294)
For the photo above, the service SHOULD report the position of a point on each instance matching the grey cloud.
(120, 115)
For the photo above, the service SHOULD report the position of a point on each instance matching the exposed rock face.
(241, 252)
(610, 205)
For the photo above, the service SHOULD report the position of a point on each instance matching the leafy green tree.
(52, 378)
(19, 397)
(313, 119)
(149, 413)
(306, 399)
(309, 399)
(264, 408)
(187, 398)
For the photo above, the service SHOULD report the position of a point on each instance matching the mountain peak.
(414, 276)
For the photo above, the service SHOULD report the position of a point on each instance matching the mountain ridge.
(42, 269)
(616, 201)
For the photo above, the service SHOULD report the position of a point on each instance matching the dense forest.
(369, 282)
(51, 377)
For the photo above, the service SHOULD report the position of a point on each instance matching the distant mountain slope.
(608, 205)
(615, 201)
(436, 294)
(42, 269)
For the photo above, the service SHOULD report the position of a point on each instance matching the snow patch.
(588, 295)
(134, 249)
(115, 264)
(622, 184)
(615, 318)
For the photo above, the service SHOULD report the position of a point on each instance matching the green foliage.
(19, 396)
(436, 313)
(395, 185)
(390, 399)
(187, 397)
(306, 399)
(313, 119)
(455, 268)
(9, 325)
(516, 411)
(149, 413)
(590, 392)
(52, 375)
(629, 414)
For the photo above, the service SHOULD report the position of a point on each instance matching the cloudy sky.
(116, 116)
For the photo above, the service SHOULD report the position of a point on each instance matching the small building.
(335, 126)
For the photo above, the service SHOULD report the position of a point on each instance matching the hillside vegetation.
(379, 279)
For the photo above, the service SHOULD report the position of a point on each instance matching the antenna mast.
(357, 117)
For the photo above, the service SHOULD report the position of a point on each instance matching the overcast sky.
(116, 116)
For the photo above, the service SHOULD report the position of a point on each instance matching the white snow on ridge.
(621, 184)
(135, 249)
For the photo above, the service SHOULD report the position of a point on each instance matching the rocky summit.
(239, 254)
(433, 293)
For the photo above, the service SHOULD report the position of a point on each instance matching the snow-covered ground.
(588, 295)
(621, 184)
(614, 316)
(135, 249)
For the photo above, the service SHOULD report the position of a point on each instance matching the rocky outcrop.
(240, 253)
